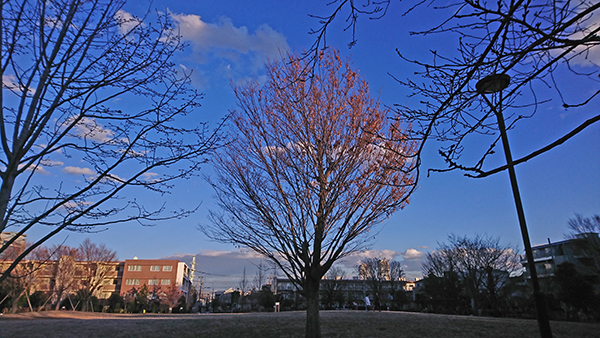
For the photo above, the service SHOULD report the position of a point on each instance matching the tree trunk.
(8, 181)
(15, 303)
(313, 327)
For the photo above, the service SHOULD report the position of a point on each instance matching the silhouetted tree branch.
(86, 82)
(544, 46)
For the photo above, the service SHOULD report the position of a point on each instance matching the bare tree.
(95, 266)
(482, 263)
(512, 56)
(333, 287)
(261, 276)
(396, 278)
(378, 272)
(586, 229)
(312, 167)
(244, 286)
(25, 278)
(65, 271)
(70, 71)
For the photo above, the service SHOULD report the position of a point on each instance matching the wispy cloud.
(90, 129)
(238, 50)
(127, 22)
(10, 82)
(51, 163)
(588, 56)
(150, 177)
(78, 171)
(38, 169)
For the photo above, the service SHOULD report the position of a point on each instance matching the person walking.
(367, 302)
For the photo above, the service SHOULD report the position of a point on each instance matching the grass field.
(277, 325)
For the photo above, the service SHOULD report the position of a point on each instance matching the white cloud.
(10, 82)
(51, 163)
(78, 171)
(127, 22)
(411, 253)
(150, 176)
(90, 129)
(75, 205)
(591, 56)
(38, 169)
(247, 51)
(223, 34)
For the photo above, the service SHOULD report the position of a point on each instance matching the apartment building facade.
(548, 256)
(156, 274)
(66, 276)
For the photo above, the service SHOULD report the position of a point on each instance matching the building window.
(132, 282)
(153, 282)
(155, 268)
(167, 268)
(134, 268)
(165, 282)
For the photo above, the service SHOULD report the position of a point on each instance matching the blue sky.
(231, 40)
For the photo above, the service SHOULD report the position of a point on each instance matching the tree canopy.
(311, 167)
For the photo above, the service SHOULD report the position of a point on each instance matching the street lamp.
(491, 84)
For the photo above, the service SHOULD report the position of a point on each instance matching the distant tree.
(70, 71)
(400, 298)
(216, 305)
(333, 288)
(142, 297)
(396, 282)
(588, 229)
(170, 296)
(575, 291)
(261, 276)
(376, 272)
(95, 266)
(116, 303)
(64, 272)
(24, 279)
(244, 283)
(482, 264)
(313, 165)
(444, 293)
(235, 298)
(266, 299)
(244, 287)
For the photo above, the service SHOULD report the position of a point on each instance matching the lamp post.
(489, 85)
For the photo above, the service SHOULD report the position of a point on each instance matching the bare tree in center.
(312, 166)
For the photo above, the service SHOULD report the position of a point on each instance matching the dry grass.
(285, 324)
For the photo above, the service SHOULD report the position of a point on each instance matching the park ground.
(277, 325)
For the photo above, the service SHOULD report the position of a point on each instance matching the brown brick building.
(118, 277)
(155, 273)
